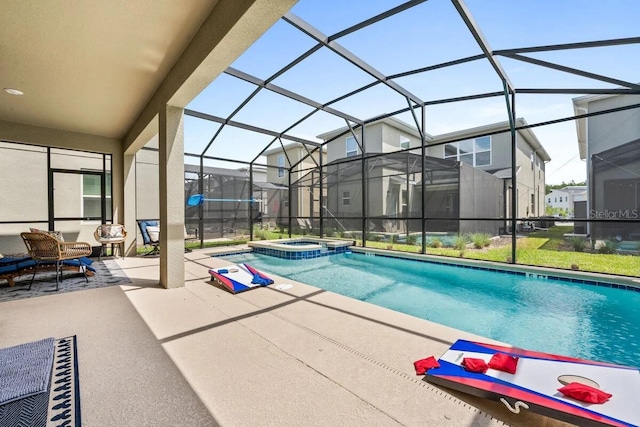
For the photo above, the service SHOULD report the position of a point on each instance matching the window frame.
(280, 161)
(354, 151)
(346, 198)
(107, 196)
(404, 140)
(474, 153)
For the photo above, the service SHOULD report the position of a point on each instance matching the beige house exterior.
(610, 145)
(530, 163)
(494, 157)
(306, 200)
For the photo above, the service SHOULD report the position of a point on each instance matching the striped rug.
(59, 404)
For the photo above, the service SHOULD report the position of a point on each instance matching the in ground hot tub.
(300, 248)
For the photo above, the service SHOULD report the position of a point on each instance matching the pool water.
(578, 320)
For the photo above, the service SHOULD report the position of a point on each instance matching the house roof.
(270, 185)
(574, 189)
(558, 191)
(278, 148)
(391, 121)
(211, 170)
(505, 173)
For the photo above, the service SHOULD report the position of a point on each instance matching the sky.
(427, 34)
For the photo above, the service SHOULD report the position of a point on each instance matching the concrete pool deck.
(296, 357)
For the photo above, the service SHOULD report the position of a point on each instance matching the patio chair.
(46, 249)
(110, 234)
(150, 231)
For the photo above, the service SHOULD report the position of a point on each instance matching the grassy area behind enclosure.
(541, 248)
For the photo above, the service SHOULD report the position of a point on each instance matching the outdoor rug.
(107, 273)
(25, 369)
(58, 404)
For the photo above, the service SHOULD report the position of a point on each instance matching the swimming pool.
(584, 321)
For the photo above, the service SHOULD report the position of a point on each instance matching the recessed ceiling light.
(13, 91)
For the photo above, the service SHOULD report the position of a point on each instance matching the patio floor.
(200, 356)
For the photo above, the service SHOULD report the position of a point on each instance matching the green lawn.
(540, 249)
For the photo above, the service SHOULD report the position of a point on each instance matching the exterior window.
(474, 152)
(352, 147)
(404, 142)
(555, 200)
(346, 198)
(533, 203)
(403, 201)
(533, 159)
(91, 195)
(549, 201)
(281, 165)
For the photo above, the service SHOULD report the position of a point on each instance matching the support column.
(171, 176)
(128, 217)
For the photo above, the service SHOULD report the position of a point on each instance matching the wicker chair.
(110, 234)
(45, 249)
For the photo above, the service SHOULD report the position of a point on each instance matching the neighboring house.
(558, 202)
(305, 197)
(610, 144)
(492, 154)
(470, 178)
(562, 201)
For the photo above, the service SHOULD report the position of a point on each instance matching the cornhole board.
(537, 380)
(238, 277)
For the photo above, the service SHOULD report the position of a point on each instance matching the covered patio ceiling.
(100, 68)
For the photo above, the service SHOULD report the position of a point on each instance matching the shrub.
(608, 247)
(480, 240)
(435, 243)
(460, 242)
(412, 239)
(578, 244)
(259, 234)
